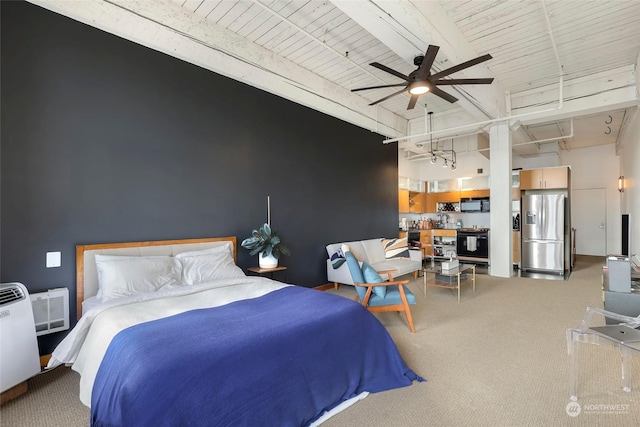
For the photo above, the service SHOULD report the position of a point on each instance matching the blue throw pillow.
(371, 276)
(354, 267)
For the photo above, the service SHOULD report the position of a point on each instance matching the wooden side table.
(262, 271)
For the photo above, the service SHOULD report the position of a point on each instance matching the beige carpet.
(497, 358)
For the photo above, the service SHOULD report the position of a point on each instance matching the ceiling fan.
(422, 81)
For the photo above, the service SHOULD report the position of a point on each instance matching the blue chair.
(377, 294)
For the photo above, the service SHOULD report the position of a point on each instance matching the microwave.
(474, 205)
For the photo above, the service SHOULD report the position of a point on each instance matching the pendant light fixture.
(449, 156)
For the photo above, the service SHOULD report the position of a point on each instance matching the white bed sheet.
(85, 346)
(89, 303)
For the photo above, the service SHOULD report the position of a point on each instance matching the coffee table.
(453, 277)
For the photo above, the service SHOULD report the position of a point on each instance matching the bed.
(174, 333)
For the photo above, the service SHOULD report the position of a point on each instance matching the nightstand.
(262, 271)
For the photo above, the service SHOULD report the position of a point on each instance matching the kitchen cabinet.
(516, 247)
(430, 202)
(515, 193)
(416, 202)
(547, 178)
(426, 239)
(410, 201)
(474, 193)
(448, 197)
(403, 201)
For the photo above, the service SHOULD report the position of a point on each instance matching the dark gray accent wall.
(104, 140)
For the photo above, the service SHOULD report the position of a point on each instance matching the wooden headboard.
(86, 272)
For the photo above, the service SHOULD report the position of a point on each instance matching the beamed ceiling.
(565, 70)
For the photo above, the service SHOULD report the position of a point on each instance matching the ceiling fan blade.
(387, 97)
(412, 102)
(378, 87)
(427, 62)
(462, 66)
(444, 95)
(464, 81)
(389, 70)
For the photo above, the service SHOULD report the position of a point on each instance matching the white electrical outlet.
(53, 259)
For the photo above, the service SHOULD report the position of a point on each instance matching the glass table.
(450, 279)
(588, 332)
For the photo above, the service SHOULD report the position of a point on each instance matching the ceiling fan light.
(418, 88)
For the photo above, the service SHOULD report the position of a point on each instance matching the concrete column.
(500, 239)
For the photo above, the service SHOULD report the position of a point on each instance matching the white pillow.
(220, 247)
(209, 264)
(120, 276)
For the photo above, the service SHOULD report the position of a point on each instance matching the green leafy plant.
(265, 240)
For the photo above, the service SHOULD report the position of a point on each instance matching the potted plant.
(266, 242)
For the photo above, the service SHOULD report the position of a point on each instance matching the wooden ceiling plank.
(237, 11)
(219, 11)
(206, 7)
(192, 5)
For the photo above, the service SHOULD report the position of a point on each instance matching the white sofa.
(371, 251)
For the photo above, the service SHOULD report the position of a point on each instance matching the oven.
(413, 239)
(472, 244)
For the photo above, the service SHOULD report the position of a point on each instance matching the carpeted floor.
(497, 358)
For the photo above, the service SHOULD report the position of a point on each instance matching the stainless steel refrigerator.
(542, 227)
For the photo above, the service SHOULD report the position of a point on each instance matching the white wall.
(406, 168)
(630, 168)
(468, 164)
(598, 167)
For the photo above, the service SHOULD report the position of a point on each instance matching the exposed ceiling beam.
(408, 27)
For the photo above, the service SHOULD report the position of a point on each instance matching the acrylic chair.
(584, 333)
(380, 295)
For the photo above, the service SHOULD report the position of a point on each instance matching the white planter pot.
(268, 261)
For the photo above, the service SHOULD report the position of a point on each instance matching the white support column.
(500, 243)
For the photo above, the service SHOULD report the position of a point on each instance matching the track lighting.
(449, 156)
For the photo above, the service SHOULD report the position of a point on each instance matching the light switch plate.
(53, 259)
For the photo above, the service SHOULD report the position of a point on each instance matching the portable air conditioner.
(19, 356)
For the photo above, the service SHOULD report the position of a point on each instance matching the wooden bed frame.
(86, 273)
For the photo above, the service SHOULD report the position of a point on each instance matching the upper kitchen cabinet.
(430, 201)
(410, 201)
(403, 201)
(448, 197)
(412, 185)
(464, 194)
(416, 202)
(542, 179)
(411, 196)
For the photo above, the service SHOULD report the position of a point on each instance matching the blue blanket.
(279, 360)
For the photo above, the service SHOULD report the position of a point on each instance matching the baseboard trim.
(13, 393)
